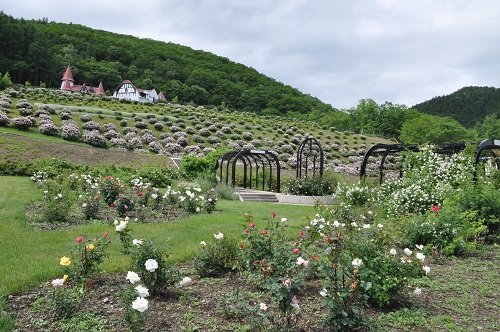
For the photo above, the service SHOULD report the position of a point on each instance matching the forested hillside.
(38, 51)
(469, 105)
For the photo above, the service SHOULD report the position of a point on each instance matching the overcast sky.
(403, 51)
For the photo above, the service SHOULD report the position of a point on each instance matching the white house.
(128, 91)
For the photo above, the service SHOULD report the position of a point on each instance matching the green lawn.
(31, 256)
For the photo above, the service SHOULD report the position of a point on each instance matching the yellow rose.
(65, 261)
(90, 247)
(65, 277)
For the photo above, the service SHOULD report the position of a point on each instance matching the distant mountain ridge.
(469, 105)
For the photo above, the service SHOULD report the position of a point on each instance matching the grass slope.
(28, 146)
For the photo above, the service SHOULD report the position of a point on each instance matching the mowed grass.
(30, 256)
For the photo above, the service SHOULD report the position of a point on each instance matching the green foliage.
(484, 199)
(225, 192)
(83, 322)
(65, 301)
(134, 319)
(5, 81)
(57, 201)
(88, 256)
(124, 205)
(158, 177)
(193, 166)
(110, 189)
(217, 257)
(430, 129)
(318, 186)
(154, 279)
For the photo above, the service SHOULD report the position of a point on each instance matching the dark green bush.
(313, 186)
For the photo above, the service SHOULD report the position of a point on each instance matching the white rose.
(142, 291)
(219, 236)
(420, 256)
(263, 306)
(323, 292)
(203, 243)
(137, 243)
(133, 277)
(393, 252)
(140, 304)
(57, 282)
(283, 219)
(417, 291)
(185, 281)
(151, 265)
(357, 262)
(407, 252)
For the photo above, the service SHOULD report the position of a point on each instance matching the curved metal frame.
(250, 158)
(487, 144)
(300, 152)
(386, 149)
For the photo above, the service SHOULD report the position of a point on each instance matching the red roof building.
(68, 84)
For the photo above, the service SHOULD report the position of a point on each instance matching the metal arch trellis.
(386, 149)
(250, 159)
(487, 144)
(309, 142)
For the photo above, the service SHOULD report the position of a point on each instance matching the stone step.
(257, 196)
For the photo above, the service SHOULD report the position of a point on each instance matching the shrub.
(217, 257)
(25, 111)
(94, 138)
(22, 123)
(155, 147)
(158, 177)
(70, 131)
(193, 166)
(158, 126)
(118, 143)
(173, 149)
(4, 119)
(110, 189)
(141, 125)
(85, 117)
(312, 186)
(65, 114)
(149, 262)
(48, 128)
(124, 204)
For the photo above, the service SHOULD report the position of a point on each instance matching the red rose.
(79, 239)
(296, 251)
(435, 208)
(264, 232)
(274, 215)
(252, 225)
(105, 235)
(301, 234)
(247, 231)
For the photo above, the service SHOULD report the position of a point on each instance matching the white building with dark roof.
(128, 91)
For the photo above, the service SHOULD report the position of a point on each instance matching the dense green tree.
(427, 128)
(490, 128)
(5, 82)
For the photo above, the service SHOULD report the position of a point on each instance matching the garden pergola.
(309, 147)
(387, 149)
(487, 144)
(258, 159)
